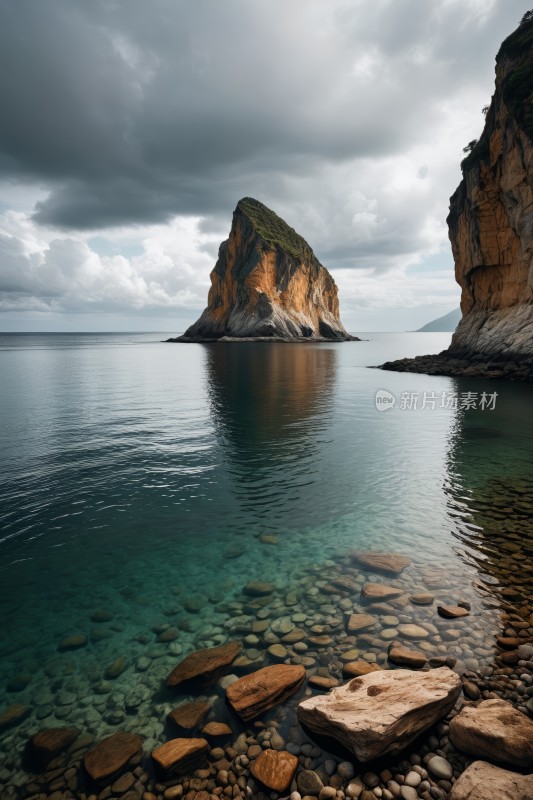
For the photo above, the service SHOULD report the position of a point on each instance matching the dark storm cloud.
(129, 111)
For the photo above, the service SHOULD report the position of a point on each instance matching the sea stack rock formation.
(490, 227)
(267, 284)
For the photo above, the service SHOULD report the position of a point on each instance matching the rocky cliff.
(490, 227)
(267, 283)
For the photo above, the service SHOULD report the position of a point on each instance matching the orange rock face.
(491, 222)
(267, 282)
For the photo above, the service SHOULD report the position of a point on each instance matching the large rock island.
(267, 284)
(490, 227)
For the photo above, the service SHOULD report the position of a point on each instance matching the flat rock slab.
(404, 657)
(452, 612)
(376, 592)
(390, 563)
(482, 781)
(275, 769)
(204, 666)
(254, 694)
(112, 756)
(50, 742)
(180, 756)
(189, 715)
(360, 622)
(494, 729)
(13, 715)
(382, 712)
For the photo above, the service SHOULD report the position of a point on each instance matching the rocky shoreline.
(510, 366)
(292, 340)
(427, 697)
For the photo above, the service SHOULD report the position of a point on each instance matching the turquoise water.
(135, 474)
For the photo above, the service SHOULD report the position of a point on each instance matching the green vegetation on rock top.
(275, 230)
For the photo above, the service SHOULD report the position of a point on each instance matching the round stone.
(413, 779)
(440, 768)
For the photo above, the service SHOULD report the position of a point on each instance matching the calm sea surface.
(136, 475)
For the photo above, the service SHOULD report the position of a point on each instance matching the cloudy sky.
(131, 128)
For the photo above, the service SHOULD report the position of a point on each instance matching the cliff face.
(267, 282)
(490, 226)
(491, 215)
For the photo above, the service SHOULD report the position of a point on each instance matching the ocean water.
(138, 476)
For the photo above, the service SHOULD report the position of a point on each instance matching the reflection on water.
(491, 493)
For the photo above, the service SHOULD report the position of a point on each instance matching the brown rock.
(268, 538)
(116, 668)
(254, 694)
(482, 781)
(275, 769)
(376, 592)
(267, 283)
(390, 563)
(277, 652)
(356, 668)
(322, 682)
(50, 742)
(510, 657)
(181, 756)
(168, 635)
(360, 622)
(72, 642)
(216, 729)
(508, 642)
(189, 716)
(13, 715)
(421, 599)
(452, 612)
(382, 712)
(109, 758)
(494, 729)
(407, 658)
(258, 588)
(204, 666)
(411, 631)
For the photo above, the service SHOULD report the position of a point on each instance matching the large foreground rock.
(254, 694)
(382, 712)
(494, 729)
(204, 666)
(390, 563)
(112, 756)
(267, 283)
(482, 781)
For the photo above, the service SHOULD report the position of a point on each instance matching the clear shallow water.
(135, 473)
